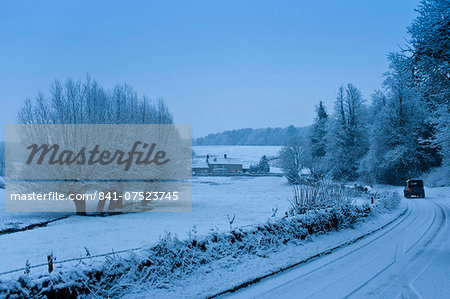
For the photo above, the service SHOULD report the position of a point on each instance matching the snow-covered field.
(247, 154)
(251, 199)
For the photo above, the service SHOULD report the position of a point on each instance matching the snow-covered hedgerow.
(172, 257)
(386, 201)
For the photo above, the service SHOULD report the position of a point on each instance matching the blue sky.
(219, 64)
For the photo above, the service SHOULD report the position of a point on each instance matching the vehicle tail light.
(409, 189)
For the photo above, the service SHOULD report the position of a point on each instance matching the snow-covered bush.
(387, 201)
(293, 156)
(319, 196)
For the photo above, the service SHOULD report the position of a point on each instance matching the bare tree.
(292, 157)
(347, 139)
(76, 102)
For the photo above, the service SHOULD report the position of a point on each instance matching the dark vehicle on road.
(414, 188)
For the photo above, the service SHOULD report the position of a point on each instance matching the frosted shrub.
(387, 200)
(318, 196)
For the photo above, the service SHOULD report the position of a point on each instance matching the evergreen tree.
(318, 132)
(291, 133)
(263, 165)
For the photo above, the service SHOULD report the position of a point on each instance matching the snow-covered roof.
(199, 163)
(223, 160)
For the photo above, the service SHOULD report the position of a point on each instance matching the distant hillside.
(266, 136)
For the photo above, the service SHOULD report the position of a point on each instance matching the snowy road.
(410, 258)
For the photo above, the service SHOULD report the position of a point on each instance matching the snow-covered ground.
(215, 199)
(251, 199)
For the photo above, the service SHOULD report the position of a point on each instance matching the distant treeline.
(266, 136)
